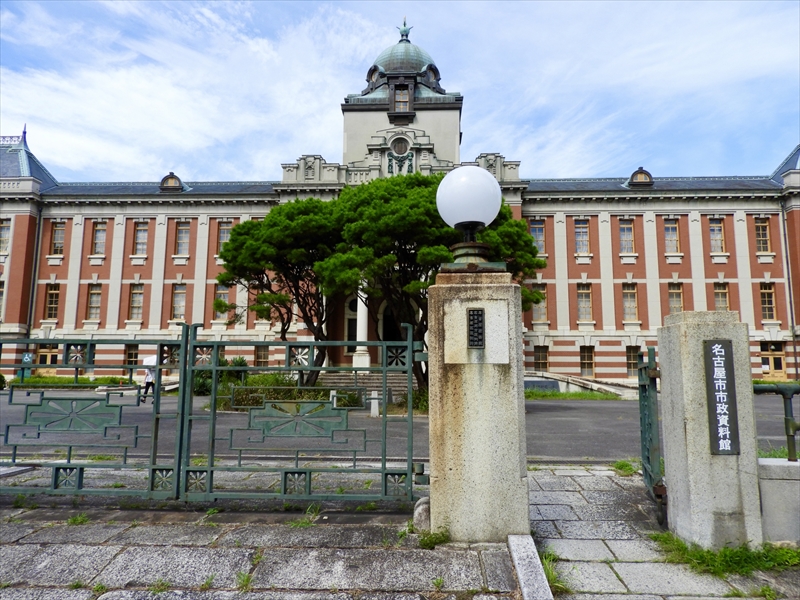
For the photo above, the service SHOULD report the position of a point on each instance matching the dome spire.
(404, 31)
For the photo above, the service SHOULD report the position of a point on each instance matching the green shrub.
(419, 400)
(534, 394)
(2, 382)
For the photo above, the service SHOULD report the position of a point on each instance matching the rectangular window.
(51, 301)
(221, 293)
(401, 100)
(140, 238)
(57, 238)
(717, 234)
(537, 232)
(587, 361)
(540, 358)
(675, 297)
(99, 237)
(182, 238)
(179, 302)
(671, 239)
(721, 297)
(262, 356)
(584, 302)
(136, 305)
(626, 237)
(582, 237)
(132, 354)
(5, 235)
(767, 301)
(94, 301)
(223, 234)
(632, 360)
(630, 308)
(540, 310)
(762, 235)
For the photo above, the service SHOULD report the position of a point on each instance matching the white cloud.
(131, 90)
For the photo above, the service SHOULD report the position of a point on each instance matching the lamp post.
(479, 490)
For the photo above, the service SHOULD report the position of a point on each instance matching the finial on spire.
(25, 133)
(404, 30)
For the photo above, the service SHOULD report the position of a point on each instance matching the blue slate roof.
(660, 184)
(199, 188)
(16, 160)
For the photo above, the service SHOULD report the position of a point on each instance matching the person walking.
(149, 381)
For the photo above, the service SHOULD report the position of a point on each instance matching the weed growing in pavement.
(624, 468)
(782, 452)
(212, 511)
(76, 585)
(366, 507)
(4, 584)
(206, 585)
(429, 540)
(438, 583)
(101, 457)
(368, 484)
(244, 581)
(80, 519)
(554, 580)
(159, 586)
(257, 557)
(100, 588)
(740, 561)
(312, 514)
(767, 592)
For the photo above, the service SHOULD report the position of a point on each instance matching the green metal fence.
(245, 437)
(652, 470)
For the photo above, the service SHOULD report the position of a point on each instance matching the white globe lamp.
(469, 199)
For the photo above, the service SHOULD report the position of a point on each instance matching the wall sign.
(723, 426)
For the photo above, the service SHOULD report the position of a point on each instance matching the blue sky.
(127, 91)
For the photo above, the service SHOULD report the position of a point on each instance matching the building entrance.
(773, 361)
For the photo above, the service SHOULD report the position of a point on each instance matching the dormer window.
(640, 178)
(171, 183)
(401, 100)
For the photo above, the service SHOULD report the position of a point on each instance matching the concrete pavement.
(596, 521)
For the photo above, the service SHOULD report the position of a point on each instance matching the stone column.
(478, 452)
(710, 445)
(361, 356)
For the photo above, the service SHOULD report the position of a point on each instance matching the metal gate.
(256, 433)
(652, 468)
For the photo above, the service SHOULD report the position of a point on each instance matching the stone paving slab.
(11, 557)
(558, 484)
(610, 512)
(62, 564)
(635, 550)
(597, 530)
(619, 496)
(569, 498)
(77, 534)
(610, 597)
(282, 595)
(666, 579)
(590, 577)
(597, 483)
(580, 550)
(11, 532)
(343, 536)
(560, 512)
(544, 529)
(44, 594)
(168, 535)
(388, 570)
(181, 567)
(499, 571)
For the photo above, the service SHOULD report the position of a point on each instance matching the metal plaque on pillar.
(723, 425)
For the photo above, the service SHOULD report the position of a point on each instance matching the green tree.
(275, 260)
(394, 241)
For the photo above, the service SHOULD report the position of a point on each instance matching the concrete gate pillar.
(710, 444)
(479, 490)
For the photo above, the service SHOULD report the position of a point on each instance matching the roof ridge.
(147, 183)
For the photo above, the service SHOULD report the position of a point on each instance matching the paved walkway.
(597, 522)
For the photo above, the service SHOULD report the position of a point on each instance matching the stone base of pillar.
(479, 490)
(361, 359)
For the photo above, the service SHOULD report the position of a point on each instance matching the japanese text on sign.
(722, 419)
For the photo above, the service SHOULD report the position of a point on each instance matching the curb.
(530, 573)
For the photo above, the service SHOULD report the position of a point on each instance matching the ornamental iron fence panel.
(213, 427)
(652, 467)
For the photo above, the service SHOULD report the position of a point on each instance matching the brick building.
(131, 261)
